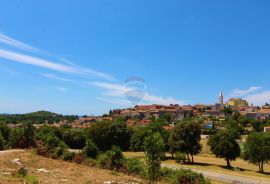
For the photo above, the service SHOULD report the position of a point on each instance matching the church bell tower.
(221, 98)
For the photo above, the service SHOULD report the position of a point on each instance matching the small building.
(252, 115)
(266, 129)
(236, 102)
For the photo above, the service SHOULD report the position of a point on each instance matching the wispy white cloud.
(15, 43)
(117, 101)
(62, 89)
(31, 60)
(89, 71)
(26, 59)
(241, 93)
(255, 95)
(56, 77)
(67, 67)
(161, 100)
(259, 98)
(118, 90)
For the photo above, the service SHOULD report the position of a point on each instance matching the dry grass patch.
(59, 171)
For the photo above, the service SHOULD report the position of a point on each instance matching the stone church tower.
(221, 98)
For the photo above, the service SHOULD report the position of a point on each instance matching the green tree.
(75, 139)
(235, 127)
(139, 134)
(154, 151)
(15, 135)
(2, 142)
(99, 134)
(224, 145)
(106, 134)
(137, 139)
(256, 125)
(23, 137)
(5, 131)
(112, 159)
(52, 141)
(167, 117)
(119, 134)
(28, 131)
(90, 149)
(185, 138)
(257, 149)
(227, 111)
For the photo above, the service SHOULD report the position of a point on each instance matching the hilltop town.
(141, 115)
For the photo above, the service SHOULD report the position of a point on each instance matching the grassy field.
(208, 162)
(59, 171)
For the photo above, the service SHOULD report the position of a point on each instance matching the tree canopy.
(257, 149)
(224, 145)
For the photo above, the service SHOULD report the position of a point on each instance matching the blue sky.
(73, 57)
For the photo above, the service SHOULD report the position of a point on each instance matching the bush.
(180, 157)
(60, 150)
(78, 158)
(42, 150)
(68, 156)
(134, 166)
(22, 171)
(2, 142)
(90, 150)
(189, 177)
(51, 141)
(112, 159)
(31, 179)
(91, 162)
(168, 174)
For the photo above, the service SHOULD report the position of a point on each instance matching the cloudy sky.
(87, 57)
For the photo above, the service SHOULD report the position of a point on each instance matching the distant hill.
(43, 114)
(36, 117)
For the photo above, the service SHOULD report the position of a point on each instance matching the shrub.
(68, 156)
(91, 162)
(90, 150)
(23, 137)
(134, 166)
(102, 161)
(31, 179)
(22, 171)
(180, 157)
(42, 150)
(78, 158)
(112, 159)
(189, 177)
(51, 141)
(2, 142)
(60, 150)
(168, 174)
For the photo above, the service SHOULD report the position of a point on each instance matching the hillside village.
(141, 115)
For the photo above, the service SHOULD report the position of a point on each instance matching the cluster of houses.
(142, 115)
